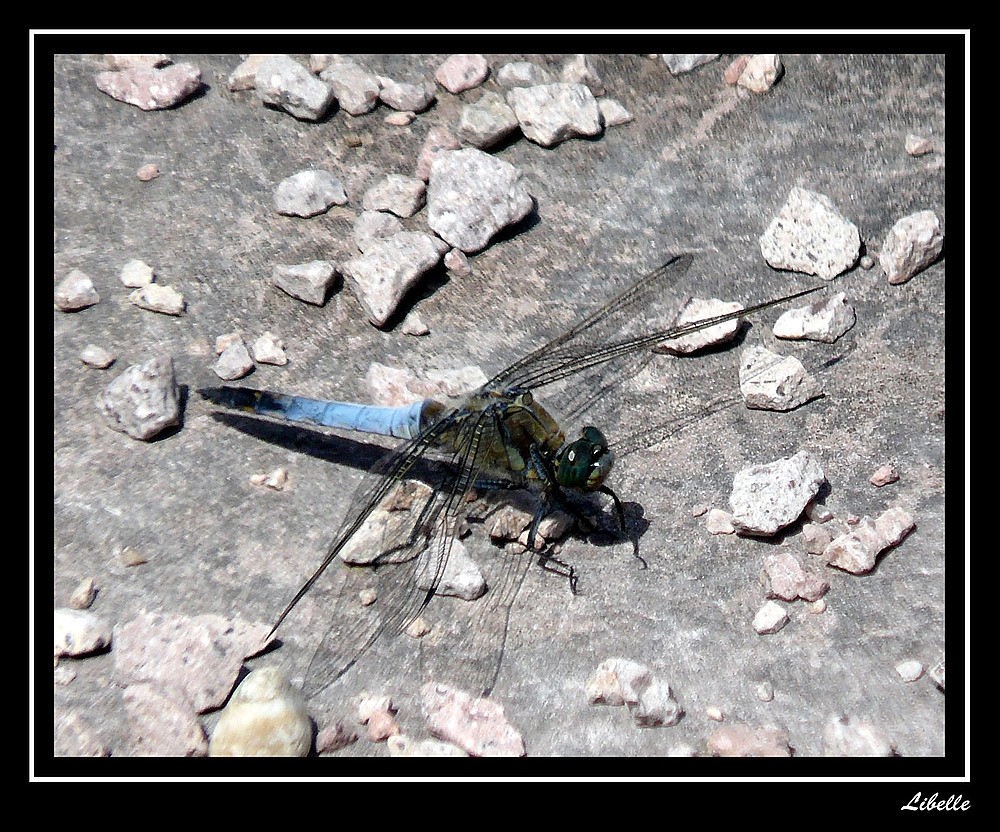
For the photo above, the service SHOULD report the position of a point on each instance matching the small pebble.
(400, 119)
(76, 291)
(79, 633)
(413, 324)
(911, 245)
(439, 140)
(367, 597)
(356, 88)
(156, 298)
(737, 740)
(910, 671)
(765, 692)
(151, 89)
(266, 717)
(244, 77)
(770, 618)
(885, 475)
(867, 262)
(417, 628)
(406, 96)
(715, 713)
(397, 194)
(131, 557)
(760, 73)
(136, 274)
(552, 113)
(235, 362)
(284, 83)
(269, 349)
(679, 64)
(309, 282)
(308, 193)
(733, 72)
(462, 72)
(613, 113)
(847, 737)
(719, 522)
(84, 594)
(335, 737)
(818, 607)
(457, 263)
(917, 145)
(580, 70)
(766, 498)
(148, 172)
(143, 400)
(97, 357)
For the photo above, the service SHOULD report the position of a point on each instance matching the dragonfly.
(499, 436)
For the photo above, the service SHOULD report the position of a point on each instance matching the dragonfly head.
(586, 462)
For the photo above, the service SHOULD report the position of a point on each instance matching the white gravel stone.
(397, 194)
(911, 245)
(356, 88)
(283, 82)
(857, 550)
(917, 145)
(766, 498)
(416, 97)
(810, 235)
(769, 381)
(374, 225)
(623, 681)
(97, 357)
(414, 325)
(462, 72)
(761, 73)
(910, 670)
(885, 475)
(472, 196)
(308, 193)
(719, 522)
(76, 291)
(551, 113)
(79, 632)
(679, 64)
(400, 118)
(244, 77)
(788, 581)
(310, 282)
(235, 362)
(156, 298)
(269, 349)
(144, 400)
(461, 577)
(389, 268)
(84, 594)
(822, 321)
(700, 309)
(770, 618)
(151, 89)
(523, 74)
(136, 273)
(266, 717)
(613, 113)
(580, 70)
(457, 263)
(487, 122)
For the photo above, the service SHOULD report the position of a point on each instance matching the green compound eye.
(586, 462)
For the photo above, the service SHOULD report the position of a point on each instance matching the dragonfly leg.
(550, 563)
(621, 519)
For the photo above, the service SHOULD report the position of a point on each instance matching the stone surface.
(311, 282)
(769, 381)
(144, 400)
(472, 196)
(822, 321)
(810, 235)
(551, 113)
(149, 88)
(768, 497)
(308, 193)
(477, 726)
(462, 72)
(284, 83)
(356, 88)
(911, 245)
(76, 291)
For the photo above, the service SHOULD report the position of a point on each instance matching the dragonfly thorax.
(584, 463)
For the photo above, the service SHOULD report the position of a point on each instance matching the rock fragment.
(144, 400)
(308, 193)
(76, 291)
(911, 245)
(284, 83)
(151, 89)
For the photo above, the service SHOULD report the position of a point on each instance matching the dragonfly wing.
(465, 648)
(407, 554)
